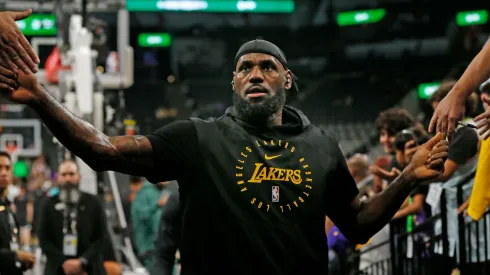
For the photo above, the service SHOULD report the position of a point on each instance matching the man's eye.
(243, 68)
(268, 67)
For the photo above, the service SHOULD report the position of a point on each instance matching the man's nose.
(256, 76)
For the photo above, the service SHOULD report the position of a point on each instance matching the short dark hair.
(394, 120)
(471, 104)
(5, 154)
(135, 179)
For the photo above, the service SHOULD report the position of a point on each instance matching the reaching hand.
(447, 114)
(19, 88)
(428, 162)
(483, 120)
(15, 50)
(384, 174)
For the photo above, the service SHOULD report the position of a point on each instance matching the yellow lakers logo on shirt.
(275, 177)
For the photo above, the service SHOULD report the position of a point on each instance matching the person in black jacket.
(168, 238)
(72, 227)
(12, 260)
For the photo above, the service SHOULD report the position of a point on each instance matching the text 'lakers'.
(263, 176)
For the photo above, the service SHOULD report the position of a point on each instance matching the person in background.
(145, 218)
(167, 242)
(480, 195)
(72, 227)
(389, 123)
(359, 168)
(464, 143)
(13, 261)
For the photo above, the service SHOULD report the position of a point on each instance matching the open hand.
(428, 162)
(15, 49)
(19, 88)
(384, 174)
(483, 120)
(447, 114)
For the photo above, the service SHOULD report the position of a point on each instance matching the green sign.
(468, 18)
(258, 6)
(38, 25)
(425, 90)
(360, 17)
(21, 169)
(155, 40)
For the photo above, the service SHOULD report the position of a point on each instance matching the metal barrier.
(419, 252)
(474, 241)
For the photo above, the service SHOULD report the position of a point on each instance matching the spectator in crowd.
(73, 228)
(145, 217)
(464, 145)
(462, 156)
(13, 261)
(167, 242)
(359, 168)
(389, 123)
(480, 197)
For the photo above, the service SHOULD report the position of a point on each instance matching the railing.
(419, 252)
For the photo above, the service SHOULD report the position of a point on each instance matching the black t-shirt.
(258, 197)
(463, 146)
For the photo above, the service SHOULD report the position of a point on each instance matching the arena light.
(238, 6)
(425, 90)
(21, 169)
(38, 25)
(154, 40)
(469, 18)
(359, 17)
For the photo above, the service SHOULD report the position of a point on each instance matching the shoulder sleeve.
(341, 189)
(174, 151)
(463, 146)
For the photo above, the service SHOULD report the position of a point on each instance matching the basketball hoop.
(11, 148)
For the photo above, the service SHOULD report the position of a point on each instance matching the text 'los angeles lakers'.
(300, 175)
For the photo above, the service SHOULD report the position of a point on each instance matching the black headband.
(261, 46)
(266, 47)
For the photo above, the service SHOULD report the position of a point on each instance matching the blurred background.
(353, 59)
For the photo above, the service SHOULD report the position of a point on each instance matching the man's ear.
(289, 80)
(233, 81)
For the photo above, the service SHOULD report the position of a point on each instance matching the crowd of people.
(257, 228)
(400, 134)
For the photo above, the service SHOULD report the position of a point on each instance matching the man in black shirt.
(13, 261)
(72, 227)
(255, 184)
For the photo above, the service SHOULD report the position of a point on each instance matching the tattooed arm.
(126, 154)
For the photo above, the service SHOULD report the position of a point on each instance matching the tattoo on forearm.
(93, 146)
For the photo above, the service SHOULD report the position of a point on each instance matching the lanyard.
(409, 217)
(13, 227)
(70, 219)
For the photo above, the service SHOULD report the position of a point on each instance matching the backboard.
(22, 136)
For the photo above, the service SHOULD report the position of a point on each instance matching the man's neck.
(275, 119)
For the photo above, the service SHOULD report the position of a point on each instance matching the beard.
(259, 111)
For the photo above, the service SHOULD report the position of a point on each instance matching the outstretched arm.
(173, 146)
(126, 154)
(360, 220)
(451, 108)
